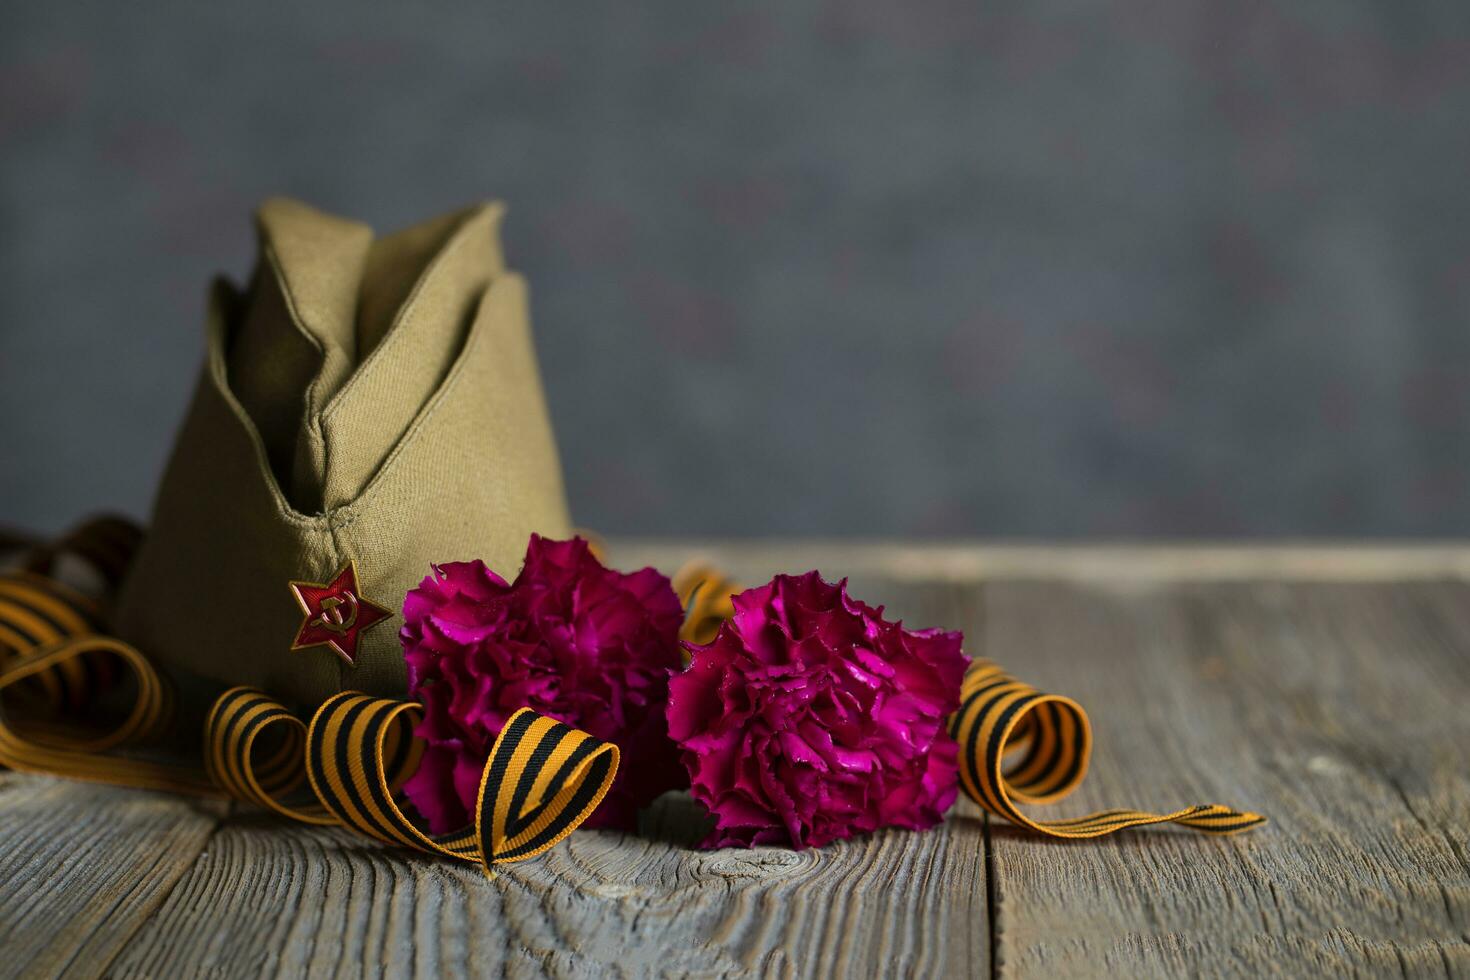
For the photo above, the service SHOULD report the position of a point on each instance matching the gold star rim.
(335, 614)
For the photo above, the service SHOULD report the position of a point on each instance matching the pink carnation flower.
(810, 718)
(569, 639)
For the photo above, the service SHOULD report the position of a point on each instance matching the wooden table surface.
(1326, 687)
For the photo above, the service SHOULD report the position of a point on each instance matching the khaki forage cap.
(366, 400)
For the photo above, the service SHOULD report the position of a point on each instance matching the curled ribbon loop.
(54, 662)
(542, 780)
(36, 613)
(243, 721)
(61, 751)
(1000, 716)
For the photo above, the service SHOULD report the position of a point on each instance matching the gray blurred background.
(1190, 267)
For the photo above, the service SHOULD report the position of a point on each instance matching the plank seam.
(992, 899)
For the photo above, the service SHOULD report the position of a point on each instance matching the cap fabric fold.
(374, 402)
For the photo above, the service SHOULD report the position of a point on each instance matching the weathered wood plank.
(83, 866)
(1339, 710)
(272, 899)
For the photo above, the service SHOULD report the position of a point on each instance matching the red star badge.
(336, 614)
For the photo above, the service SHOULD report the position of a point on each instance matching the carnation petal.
(569, 638)
(809, 717)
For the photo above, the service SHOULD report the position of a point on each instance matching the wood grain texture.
(82, 867)
(1338, 710)
(268, 899)
(1305, 686)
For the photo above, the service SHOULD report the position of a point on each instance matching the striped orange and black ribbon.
(1000, 716)
(542, 780)
(63, 750)
(37, 611)
(55, 664)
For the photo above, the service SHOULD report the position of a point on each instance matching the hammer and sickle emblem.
(339, 613)
(335, 614)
